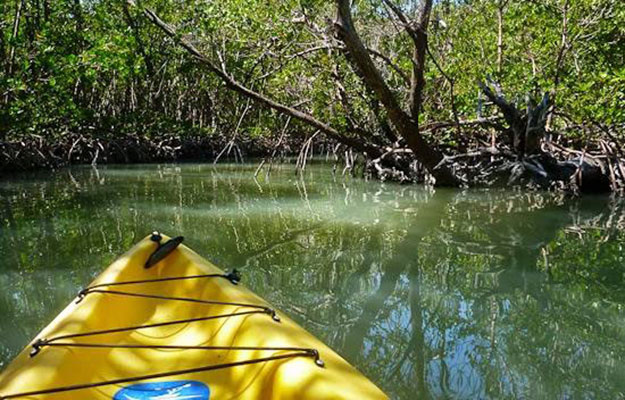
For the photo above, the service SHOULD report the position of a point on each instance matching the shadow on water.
(432, 294)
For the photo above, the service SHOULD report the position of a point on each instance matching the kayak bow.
(163, 323)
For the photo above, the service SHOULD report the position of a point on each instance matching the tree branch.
(234, 85)
(407, 127)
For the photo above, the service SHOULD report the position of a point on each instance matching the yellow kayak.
(163, 323)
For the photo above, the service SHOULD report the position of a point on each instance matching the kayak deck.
(181, 329)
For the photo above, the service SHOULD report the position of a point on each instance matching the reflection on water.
(440, 294)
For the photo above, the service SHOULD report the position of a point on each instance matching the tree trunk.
(418, 62)
(46, 10)
(135, 30)
(500, 9)
(80, 23)
(527, 129)
(406, 126)
(14, 32)
(11, 58)
(560, 59)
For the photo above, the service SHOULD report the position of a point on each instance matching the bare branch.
(407, 127)
(233, 84)
(399, 14)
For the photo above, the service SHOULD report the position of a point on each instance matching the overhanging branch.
(234, 85)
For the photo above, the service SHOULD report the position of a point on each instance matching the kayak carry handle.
(163, 250)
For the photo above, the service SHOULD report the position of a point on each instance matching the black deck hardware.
(156, 237)
(233, 276)
(163, 251)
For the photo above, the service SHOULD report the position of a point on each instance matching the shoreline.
(35, 153)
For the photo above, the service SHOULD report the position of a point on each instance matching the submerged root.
(599, 169)
(555, 168)
(35, 152)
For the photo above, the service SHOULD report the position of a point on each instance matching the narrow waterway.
(440, 294)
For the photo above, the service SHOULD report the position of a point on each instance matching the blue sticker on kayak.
(173, 390)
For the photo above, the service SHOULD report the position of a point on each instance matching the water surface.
(433, 294)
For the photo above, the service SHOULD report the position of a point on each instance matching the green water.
(440, 294)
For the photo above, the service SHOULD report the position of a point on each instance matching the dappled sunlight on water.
(462, 294)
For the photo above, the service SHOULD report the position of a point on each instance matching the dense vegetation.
(84, 74)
